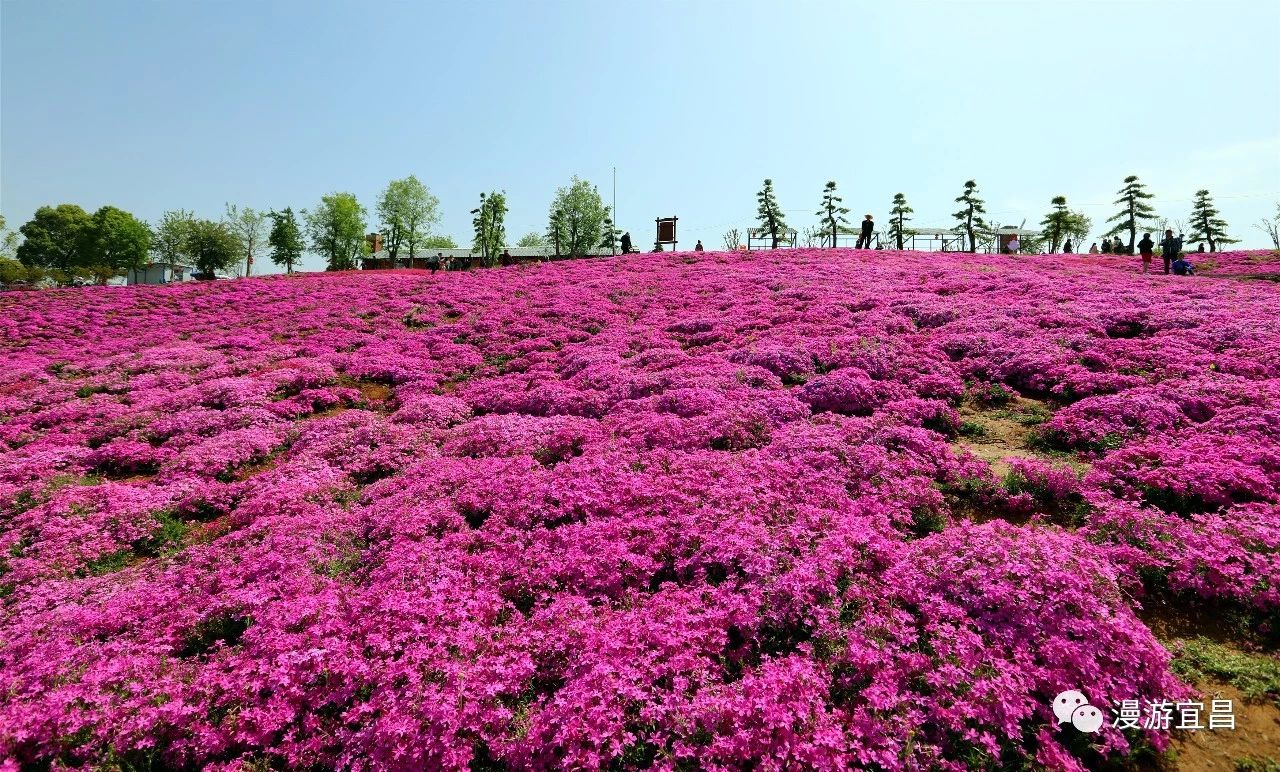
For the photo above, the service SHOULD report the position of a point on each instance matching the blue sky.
(192, 103)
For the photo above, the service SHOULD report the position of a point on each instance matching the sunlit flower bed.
(660, 511)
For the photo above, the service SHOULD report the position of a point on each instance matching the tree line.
(66, 244)
(1060, 225)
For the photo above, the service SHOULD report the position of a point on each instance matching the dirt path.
(992, 433)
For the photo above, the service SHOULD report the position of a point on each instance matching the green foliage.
(769, 213)
(1133, 198)
(1056, 223)
(488, 219)
(54, 237)
(1257, 675)
(1206, 225)
(10, 240)
(898, 219)
(212, 246)
(117, 242)
(407, 211)
(970, 215)
(832, 212)
(336, 228)
(67, 242)
(532, 240)
(1257, 764)
(611, 235)
(285, 239)
(438, 241)
(169, 243)
(576, 221)
(12, 271)
(249, 226)
(972, 429)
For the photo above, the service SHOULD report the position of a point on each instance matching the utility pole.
(615, 197)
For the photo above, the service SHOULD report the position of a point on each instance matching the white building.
(159, 273)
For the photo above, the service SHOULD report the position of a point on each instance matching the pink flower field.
(661, 511)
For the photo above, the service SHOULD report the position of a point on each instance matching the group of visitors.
(1170, 254)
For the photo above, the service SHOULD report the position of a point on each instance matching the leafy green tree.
(250, 227)
(437, 241)
(1077, 227)
(898, 219)
(12, 271)
(213, 246)
(9, 241)
(55, 238)
(576, 220)
(1056, 222)
(117, 242)
(832, 212)
(285, 239)
(1206, 225)
(970, 215)
(337, 228)
(769, 213)
(407, 211)
(172, 236)
(490, 229)
(1133, 198)
(531, 240)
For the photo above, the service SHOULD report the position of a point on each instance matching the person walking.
(1169, 249)
(864, 239)
(1146, 248)
(434, 262)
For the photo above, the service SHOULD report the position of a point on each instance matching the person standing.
(864, 239)
(1169, 249)
(434, 262)
(698, 247)
(1014, 245)
(1066, 248)
(1146, 248)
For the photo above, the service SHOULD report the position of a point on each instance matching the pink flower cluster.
(656, 511)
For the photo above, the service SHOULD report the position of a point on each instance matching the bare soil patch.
(993, 433)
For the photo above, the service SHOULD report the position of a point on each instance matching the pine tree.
(1057, 223)
(768, 213)
(1133, 197)
(609, 239)
(898, 219)
(831, 212)
(970, 215)
(1205, 223)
